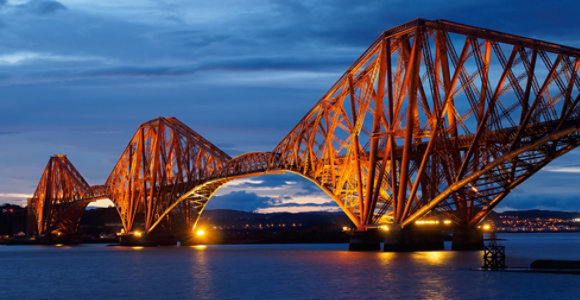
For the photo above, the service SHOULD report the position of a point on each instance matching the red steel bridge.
(433, 116)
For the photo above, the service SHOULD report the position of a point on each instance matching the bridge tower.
(57, 202)
(163, 160)
(437, 117)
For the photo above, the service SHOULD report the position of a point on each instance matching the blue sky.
(78, 77)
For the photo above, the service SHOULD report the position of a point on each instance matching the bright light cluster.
(384, 227)
(427, 222)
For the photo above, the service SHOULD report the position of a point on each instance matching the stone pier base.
(412, 239)
(364, 241)
(146, 240)
(465, 239)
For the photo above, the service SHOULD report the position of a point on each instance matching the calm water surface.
(282, 271)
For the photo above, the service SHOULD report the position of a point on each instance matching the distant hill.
(229, 217)
(537, 213)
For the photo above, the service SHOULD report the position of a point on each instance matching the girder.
(163, 160)
(60, 190)
(433, 116)
(427, 105)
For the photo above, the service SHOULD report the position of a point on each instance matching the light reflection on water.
(280, 271)
(433, 257)
(201, 273)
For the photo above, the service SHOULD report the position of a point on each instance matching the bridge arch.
(245, 165)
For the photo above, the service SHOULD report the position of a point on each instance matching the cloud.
(318, 199)
(43, 7)
(35, 7)
(102, 203)
(238, 200)
(285, 192)
(243, 181)
(298, 209)
(15, 195)
(14, 198)
(570, 169)
(23, 57)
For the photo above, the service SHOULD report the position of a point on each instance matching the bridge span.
(433, 116)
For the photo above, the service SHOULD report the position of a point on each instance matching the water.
(282, 271)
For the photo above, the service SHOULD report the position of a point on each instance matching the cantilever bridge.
(434, 115)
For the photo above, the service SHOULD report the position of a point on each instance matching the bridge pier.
(54, 239)
(149, 240)
(465, 239)
(413, 239)
(365, 241)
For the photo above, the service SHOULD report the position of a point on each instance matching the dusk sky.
(78, 76)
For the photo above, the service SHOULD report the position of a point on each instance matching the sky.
(78, 76)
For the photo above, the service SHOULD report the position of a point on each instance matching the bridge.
(434, 116)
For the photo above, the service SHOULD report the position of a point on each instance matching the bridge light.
(486, 227)
(473, 188)
(384, 228)
(200, 232)
(427, 222)
(447, 222)
(345, 228)
(137, 234)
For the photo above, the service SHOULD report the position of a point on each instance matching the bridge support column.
(413, 239)
(365, 241)
(465, 239)
(147, 240)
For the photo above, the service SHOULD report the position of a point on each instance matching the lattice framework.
(434, 116)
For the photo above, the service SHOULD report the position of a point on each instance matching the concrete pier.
(132, 240)
(413, 239)
(466, 239)
(365, 241)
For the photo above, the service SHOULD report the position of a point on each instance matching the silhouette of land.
(236, 227)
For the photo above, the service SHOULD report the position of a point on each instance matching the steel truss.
(434, 116)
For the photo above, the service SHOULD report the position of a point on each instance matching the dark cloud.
(43, 7)
(286, 63)
(306, 204)
(357, 24)
(249, 201)
(239, 200)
